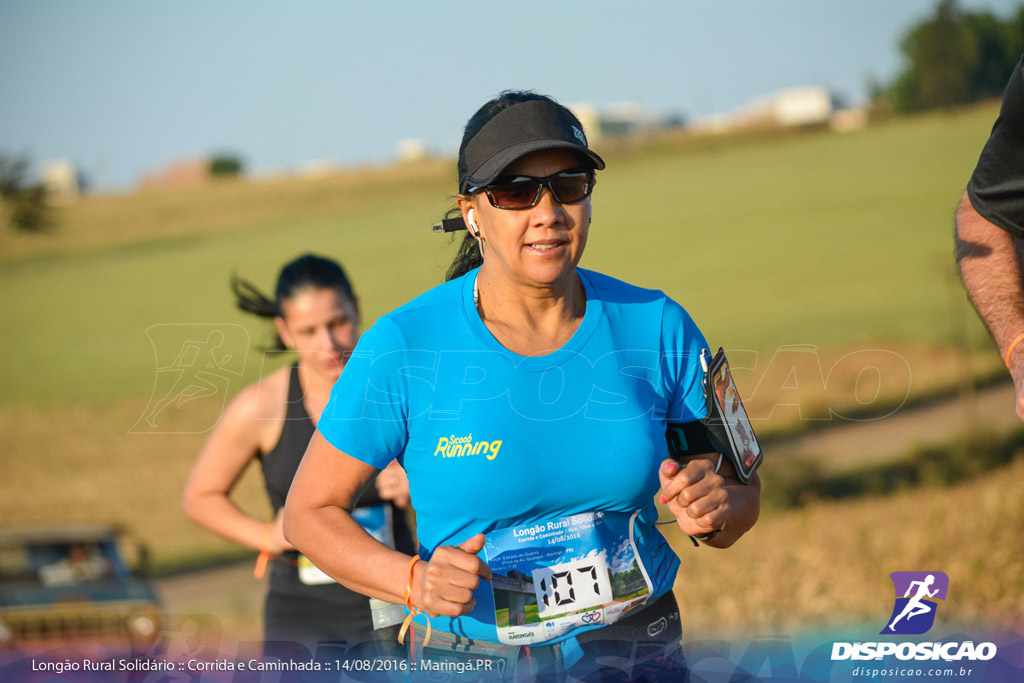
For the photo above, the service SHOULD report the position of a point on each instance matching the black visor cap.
(522, 128)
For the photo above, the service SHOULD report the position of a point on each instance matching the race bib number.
(376, 520)
(554, 577)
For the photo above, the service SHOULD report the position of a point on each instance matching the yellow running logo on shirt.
(452, 447)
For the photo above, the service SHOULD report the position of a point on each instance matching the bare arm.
(229, 450)
(990, 264)
(319, 523)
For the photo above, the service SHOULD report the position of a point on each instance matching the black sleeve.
(996, 188)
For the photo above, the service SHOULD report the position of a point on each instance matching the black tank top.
(282, 462)
(280, 465)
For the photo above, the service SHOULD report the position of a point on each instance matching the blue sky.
(123, 87)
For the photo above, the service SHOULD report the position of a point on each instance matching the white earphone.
(472, 224)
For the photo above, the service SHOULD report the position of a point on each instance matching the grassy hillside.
(831, 244)
(830, 562)
(821, 239)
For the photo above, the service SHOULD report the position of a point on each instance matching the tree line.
(955, 57)
(23, 203)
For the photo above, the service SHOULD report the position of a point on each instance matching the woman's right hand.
(444, 586)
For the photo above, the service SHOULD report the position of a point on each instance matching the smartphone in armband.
(726, 429)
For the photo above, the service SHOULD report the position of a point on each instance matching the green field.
(824, 239)
(842, 242)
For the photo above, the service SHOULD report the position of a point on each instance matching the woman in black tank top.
(316, 315)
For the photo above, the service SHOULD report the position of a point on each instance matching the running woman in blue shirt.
(527, 399)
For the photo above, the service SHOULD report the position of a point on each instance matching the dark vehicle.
(70, 584)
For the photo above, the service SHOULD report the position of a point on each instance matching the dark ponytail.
(468, 256)
(250, 299)
(306, 272)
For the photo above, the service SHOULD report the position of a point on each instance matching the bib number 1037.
(577, 585)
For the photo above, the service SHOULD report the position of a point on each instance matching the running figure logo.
(192, 362)
(914, 612)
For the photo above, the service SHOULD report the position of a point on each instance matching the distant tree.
(1016, 28)
(997, 48)
(941, 54)
(25, 204)
(225, 165)
(956, 57)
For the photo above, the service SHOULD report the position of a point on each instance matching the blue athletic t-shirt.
(491, 439)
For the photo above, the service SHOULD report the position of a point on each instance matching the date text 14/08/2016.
(458, 667)
(194, 665)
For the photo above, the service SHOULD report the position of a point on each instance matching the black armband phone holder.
(725, 430)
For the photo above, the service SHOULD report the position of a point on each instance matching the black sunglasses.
(523, 192)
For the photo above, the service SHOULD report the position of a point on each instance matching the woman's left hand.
(393, 484)
(278, 543)
(695, 494)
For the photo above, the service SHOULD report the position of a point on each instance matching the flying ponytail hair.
(306, 272)
(252, 300)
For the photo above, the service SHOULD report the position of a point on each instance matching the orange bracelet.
(413, 611)
(1013, 345)
(265, 554)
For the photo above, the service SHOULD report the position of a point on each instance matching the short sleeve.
(996, 188)
(366, 416)
(682, 344)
